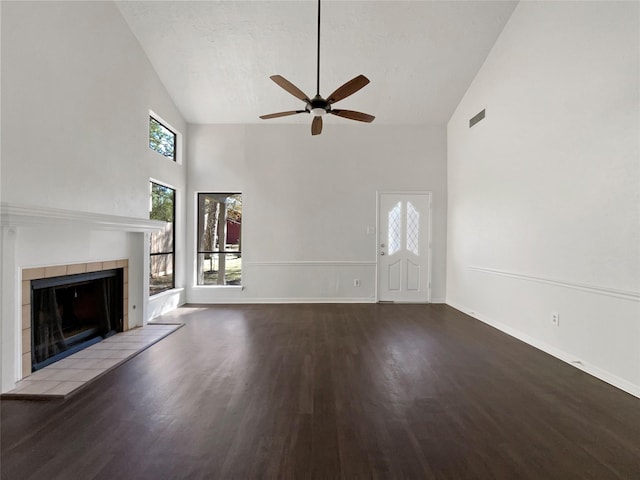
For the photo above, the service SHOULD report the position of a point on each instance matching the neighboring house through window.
(219, 254)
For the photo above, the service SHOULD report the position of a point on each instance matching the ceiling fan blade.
(351, 115)
(290, 87)
(349, 88)
(316, 126)
(281, 114)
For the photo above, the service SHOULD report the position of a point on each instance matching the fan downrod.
(319, 106)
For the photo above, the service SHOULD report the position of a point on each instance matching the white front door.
(404, 247)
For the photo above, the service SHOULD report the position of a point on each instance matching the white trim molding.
(297, 281)
(596, 289)
(12, 215)
(278, 300)
(312, 263)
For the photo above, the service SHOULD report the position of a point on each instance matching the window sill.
(166, 293)
(226, 287)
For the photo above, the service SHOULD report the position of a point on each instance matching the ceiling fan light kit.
(318, 106)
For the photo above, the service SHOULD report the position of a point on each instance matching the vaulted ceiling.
(215, 57)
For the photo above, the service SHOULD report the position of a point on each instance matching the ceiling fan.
(319, 106)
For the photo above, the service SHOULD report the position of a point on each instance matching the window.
(219, 238)
(161, 139)
(162, 260)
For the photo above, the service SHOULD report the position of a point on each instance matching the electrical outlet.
(555, 318)
(356, 282)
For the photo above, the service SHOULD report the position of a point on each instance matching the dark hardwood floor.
(330, 391)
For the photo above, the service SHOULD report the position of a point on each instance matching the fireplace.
(72, 312)
(67, 281)
(39, 241)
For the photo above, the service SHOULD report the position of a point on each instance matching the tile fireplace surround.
(100, 240)
(29, 274)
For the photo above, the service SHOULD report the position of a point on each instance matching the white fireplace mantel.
(34, 237)
(13, 215)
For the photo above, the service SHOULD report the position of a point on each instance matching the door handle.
(382, 253)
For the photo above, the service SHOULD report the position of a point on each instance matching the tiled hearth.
(67, 376)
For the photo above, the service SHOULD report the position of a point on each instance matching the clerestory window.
(162, 139)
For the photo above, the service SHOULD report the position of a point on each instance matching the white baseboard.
(578, 363)
(245, 301)
(297, 300)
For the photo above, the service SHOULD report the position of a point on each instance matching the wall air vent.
(476, 118)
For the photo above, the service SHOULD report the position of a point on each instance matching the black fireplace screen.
(73, 312)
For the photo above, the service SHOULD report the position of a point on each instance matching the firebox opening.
(72, 312)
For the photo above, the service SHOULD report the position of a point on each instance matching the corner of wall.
(537, 221)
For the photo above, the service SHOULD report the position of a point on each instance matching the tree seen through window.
(161, 139)
(161, 268)
(219, 239)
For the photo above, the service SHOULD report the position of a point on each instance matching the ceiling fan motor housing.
(318, 106)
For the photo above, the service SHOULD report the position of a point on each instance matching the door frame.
(429, 194)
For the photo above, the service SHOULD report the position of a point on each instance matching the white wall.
(2, 302)
(307, 203)
(544, 194)
(76, 93)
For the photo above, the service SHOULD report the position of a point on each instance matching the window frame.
(173, 238)
(177, 137)
(199, 228)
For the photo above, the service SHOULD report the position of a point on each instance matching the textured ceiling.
(215, 57)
